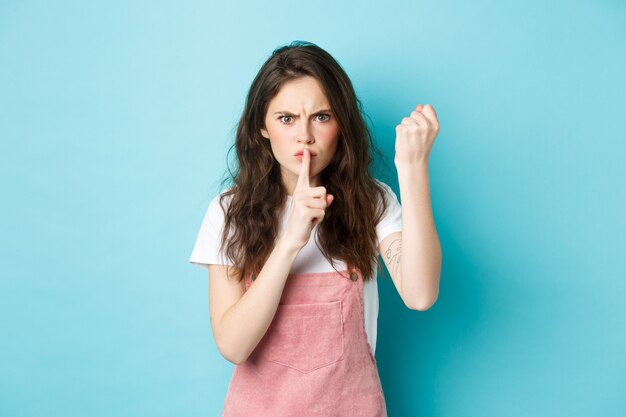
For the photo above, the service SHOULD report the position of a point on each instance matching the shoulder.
(391, 220)
(217, 208)
(207, 250)
(221, 199)
(390, 195)
(384, 185)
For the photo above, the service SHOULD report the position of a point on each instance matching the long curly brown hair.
(257, 195)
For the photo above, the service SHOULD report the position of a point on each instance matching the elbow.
(235, 361)
(232, 355)
(422, 305)
(426, 300)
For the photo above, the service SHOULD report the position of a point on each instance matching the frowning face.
(300, 116)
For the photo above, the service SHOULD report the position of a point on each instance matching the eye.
(325, 115)
(282, 117)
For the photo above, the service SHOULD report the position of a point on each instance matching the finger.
(429, 112)
(316, 203)
(318, 215)
(420, 118)
(303, 178)
(408, 121)
(417, 116)
(314, 192)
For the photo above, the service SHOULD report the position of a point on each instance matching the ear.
(264, 133)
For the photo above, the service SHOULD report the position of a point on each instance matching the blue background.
(115, 120)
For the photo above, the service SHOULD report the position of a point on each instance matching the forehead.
(304, 92)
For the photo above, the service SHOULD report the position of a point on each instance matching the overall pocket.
(307, 337)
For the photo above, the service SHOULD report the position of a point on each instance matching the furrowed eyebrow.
(291, 114)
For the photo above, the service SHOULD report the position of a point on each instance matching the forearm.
(420, 262)
(246, 322)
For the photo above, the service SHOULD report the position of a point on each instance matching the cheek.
(279, 139)
(329, 133)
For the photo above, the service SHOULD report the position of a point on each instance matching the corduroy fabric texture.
(314, 359)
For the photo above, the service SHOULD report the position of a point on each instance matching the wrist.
(412, 168)
(288, 247)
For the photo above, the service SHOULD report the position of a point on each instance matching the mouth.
(300, 153)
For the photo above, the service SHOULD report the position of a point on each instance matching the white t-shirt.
(309, 259)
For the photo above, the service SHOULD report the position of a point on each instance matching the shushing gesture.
(307, 207)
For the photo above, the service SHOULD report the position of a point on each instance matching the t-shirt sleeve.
(206, 250)
(392, 219)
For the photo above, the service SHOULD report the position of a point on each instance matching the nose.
(306, 139)
(305, 136)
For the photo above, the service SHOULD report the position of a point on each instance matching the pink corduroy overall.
(314, 359)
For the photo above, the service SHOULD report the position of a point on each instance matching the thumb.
(329, 199)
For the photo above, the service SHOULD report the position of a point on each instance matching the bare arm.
(413, 256)
(238, 327)
(248, 314)
(420, 253)
(420, 256)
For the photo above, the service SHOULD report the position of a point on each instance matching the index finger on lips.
(303, 178)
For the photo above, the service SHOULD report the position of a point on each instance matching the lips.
(300, 153)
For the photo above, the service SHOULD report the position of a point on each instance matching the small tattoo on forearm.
(393, 256)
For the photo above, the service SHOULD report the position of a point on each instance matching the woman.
(292, 286)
